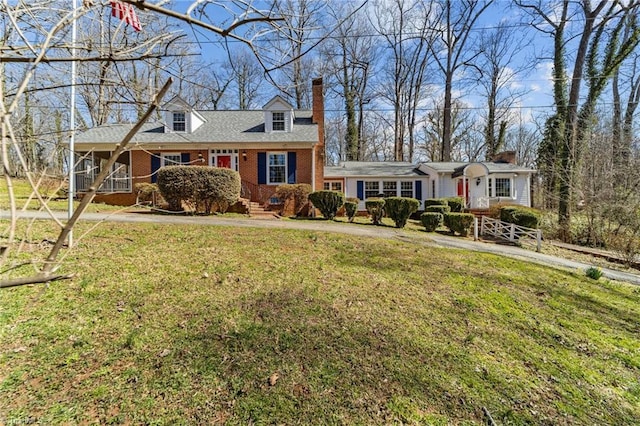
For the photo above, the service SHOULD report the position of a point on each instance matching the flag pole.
(72, 121)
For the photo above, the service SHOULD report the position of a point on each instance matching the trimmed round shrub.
(295, 196)
(459, 222)
(431, 220)
(202, 188)
(522, 216)
(328, 202)
(399, 209)
(456, 204)
(434, 202)
(351, 208)
(438, 208)
(144, 191)
(375, 208)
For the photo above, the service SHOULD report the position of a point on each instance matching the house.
(363, 180)
(268, 147)
(481, 184)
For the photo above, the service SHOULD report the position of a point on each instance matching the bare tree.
(453, 52)
(351, 56)
(499, 72)
(598, 54)
(625, 79)
(406, 27)
(465, 145)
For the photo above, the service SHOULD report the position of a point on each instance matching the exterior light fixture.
(200, 157)
(244, 155)
(478, 180)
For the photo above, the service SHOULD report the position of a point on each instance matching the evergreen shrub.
(375, 208)
(399, 209)
(328, 202)
(436, 208)
(431, 220)
(204, 189)
(459, 222)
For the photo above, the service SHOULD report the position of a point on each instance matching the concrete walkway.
(432, 239)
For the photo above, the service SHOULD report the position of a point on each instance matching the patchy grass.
(196, 325)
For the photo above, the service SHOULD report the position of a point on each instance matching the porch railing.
(111, 184)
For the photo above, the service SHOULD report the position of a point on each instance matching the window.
(406, 189)
(171, 159)
(179, 122)
(278, 121)
(333, 186)
(371, 189)
(277, 168)
(390, 189)
(502, 187)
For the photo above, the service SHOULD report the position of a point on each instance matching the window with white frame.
(277, 173)
(503, 187)
(500, 187)
(179, 122)
(278, 121)
(333, 186)
(171, 159)
(371, 189)
(390, 188)
(406, 189)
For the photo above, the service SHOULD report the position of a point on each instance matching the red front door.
(462, 190)
(224, 161)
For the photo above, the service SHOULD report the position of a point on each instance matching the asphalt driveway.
(432, 239)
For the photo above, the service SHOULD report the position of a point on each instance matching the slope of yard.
(190, 325)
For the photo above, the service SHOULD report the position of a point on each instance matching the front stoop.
(257, 211)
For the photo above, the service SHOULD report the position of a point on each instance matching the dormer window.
(179, 122)
(278, 121)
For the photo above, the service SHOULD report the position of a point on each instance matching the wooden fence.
(509, 231)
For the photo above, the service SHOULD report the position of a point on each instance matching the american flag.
(125, 12)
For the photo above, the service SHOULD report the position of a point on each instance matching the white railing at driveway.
(509, 231)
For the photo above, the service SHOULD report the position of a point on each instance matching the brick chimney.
(317, 90)
(505, 157)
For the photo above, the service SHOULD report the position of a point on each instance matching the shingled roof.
(219, 127)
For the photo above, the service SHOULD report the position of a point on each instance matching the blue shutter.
(185, 158)
(262, 167)
(360, 189)
(419, 190)
(291, 167)
(155, 165)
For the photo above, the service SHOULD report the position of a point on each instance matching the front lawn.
(168, 324)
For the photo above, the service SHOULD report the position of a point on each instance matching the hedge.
(328, 202)
(459, 222)
(522, 216)
(351, 208)
(295, 196)
(438, 208)
(456, 204)
(375, 208)
(203, 188)
(434, 202)
(399, 209)
(431, 220)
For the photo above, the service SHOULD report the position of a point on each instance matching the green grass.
(185, 325)
(48, 189)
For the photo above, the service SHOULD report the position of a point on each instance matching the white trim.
(286, 172)
(163, 162)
